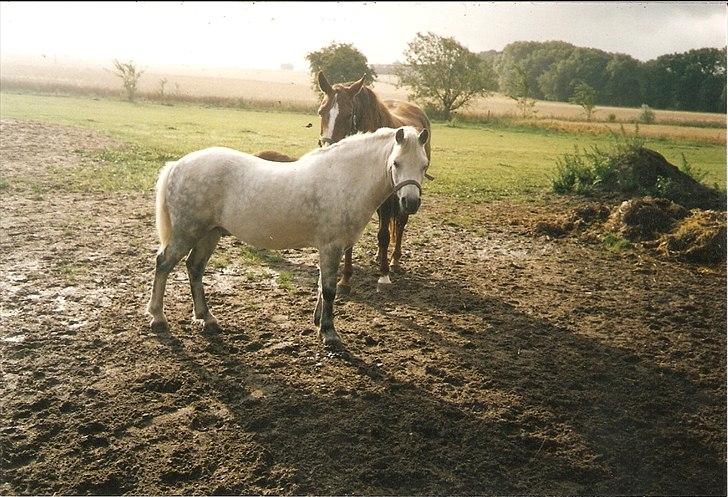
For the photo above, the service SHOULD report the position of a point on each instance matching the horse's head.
(407, 165)
(337, 110)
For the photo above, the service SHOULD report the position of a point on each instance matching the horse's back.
(408, 114)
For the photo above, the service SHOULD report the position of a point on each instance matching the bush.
(646, 115)
(573, 174)
(628, 169)
(611, 117)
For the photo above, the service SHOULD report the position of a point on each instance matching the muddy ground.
(502, 363)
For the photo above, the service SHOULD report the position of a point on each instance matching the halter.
(402, 184)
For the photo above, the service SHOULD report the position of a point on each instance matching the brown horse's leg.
(343, 287)
(383, 240)
(400, 223)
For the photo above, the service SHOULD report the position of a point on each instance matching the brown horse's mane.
(371, 113)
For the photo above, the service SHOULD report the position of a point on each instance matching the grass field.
(470, 162)
(289, 89)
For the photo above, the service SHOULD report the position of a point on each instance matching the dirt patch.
(42, 148)
(500, 363)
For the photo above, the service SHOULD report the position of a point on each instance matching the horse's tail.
(164, 223)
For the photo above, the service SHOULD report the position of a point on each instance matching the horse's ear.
(399, 136)
(324, 83)
(356, 87)
(424, 136)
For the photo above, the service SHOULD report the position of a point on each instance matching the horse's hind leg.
(400, 223)
(344, 284)
(166, 260)
(196, 262)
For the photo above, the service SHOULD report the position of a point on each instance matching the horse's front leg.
(330, 257)
(401, 222)
(344, 284)
(383, 247)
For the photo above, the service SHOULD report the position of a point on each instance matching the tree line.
(444, 75)
(694, 80)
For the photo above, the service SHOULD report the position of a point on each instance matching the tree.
(340, 62)
(587, 65)
(521, 92)
(624, 81)
(442, 73)
(533, 58)
(585, 96)
(129, 75)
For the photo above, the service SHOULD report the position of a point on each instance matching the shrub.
(129, 74)
(646, 115)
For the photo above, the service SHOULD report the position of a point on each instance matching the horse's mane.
(370, 111)
(380, 134)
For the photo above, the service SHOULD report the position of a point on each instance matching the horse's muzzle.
(409, 204)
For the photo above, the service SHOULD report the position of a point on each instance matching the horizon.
(160, 41)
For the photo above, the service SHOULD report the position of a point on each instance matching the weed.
(615, 242)
(285, 280)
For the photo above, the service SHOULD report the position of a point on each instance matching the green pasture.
(473, 163)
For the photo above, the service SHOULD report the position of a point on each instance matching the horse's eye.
(395, 163)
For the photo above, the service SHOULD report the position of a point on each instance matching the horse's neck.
(362, 169)
(375, 114)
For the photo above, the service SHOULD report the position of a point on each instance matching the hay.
(699, 238)
(645, 218)
(577, 220)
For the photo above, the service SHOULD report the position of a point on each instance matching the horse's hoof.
(331, 339)
(343, 290)
(159, 326)
(211, 327)
(384, 284)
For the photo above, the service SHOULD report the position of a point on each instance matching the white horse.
(323, 200)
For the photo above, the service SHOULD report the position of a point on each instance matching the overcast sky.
(265, 35)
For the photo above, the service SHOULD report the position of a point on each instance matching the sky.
(264, 35)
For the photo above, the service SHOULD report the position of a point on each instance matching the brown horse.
(274, 156)
(347, 109)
